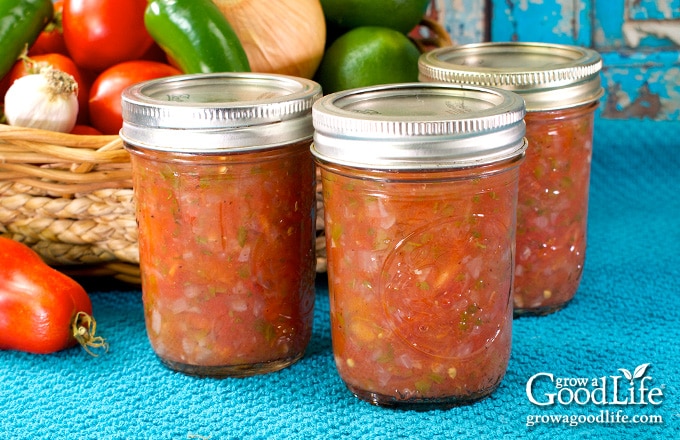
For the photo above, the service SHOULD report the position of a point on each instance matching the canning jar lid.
(548, 76)
(418, 126)
(218, 112)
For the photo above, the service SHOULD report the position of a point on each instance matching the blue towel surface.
(625, 315)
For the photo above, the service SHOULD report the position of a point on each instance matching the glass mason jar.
(225, 193)
(561, 87)
(420, 190)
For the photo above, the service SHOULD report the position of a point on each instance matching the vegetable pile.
(103, 46)
(84, 40)
(107, 45)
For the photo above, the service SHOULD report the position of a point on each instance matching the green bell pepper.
(196, 36)
(21, 22)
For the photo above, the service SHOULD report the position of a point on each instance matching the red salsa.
(227, 257)
(553, 208)
(420, 279)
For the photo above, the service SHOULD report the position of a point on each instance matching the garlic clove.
(46, 100)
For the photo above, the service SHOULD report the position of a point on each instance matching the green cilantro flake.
(242, 235)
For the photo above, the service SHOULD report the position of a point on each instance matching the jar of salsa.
(224, 185)
(561, 87)
(419, 189)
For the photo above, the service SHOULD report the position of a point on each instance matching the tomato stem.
(31, 65)
(83, 329)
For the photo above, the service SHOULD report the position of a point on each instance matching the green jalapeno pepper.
(196, 35)
(21, 22)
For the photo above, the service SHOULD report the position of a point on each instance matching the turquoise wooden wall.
(639, 41)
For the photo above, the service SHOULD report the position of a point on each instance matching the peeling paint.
(635, 31)
(652, 9)
(464, 20)
(637, 23)
(642, 92)
(655, 18)
(524, 4)
(568, 18)
(619, 106)
(539, 20)
(639, 41)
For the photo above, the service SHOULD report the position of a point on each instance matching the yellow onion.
(281, 36)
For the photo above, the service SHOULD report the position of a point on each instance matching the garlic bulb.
(47, 100)
(282, 36)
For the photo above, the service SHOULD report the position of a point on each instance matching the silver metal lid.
(418, 126)
(548, 76)
(221, 112)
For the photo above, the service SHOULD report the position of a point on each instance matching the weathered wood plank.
(641, 85)
(639, 41)
(464, 20)
(555, 21)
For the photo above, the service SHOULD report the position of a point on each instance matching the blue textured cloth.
(626, 314)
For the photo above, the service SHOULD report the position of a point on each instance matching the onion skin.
(283, 36)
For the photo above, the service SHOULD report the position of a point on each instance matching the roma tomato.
(61, 62)
(105, 108)
(51, 39)
(85, 130)
(102, 33)
(41, 309)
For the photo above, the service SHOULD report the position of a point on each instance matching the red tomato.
(51, 39)
(102, 33)
(85, 130)
(4, 85)
(155, 53)
(105, 108)
(60, 62)
(41, 309)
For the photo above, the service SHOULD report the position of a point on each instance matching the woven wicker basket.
(70, 197)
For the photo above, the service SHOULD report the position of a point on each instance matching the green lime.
(401, 15)
(367, 56)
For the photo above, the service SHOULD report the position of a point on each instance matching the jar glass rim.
(418, 126)
(218, 111)
(547, 75)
